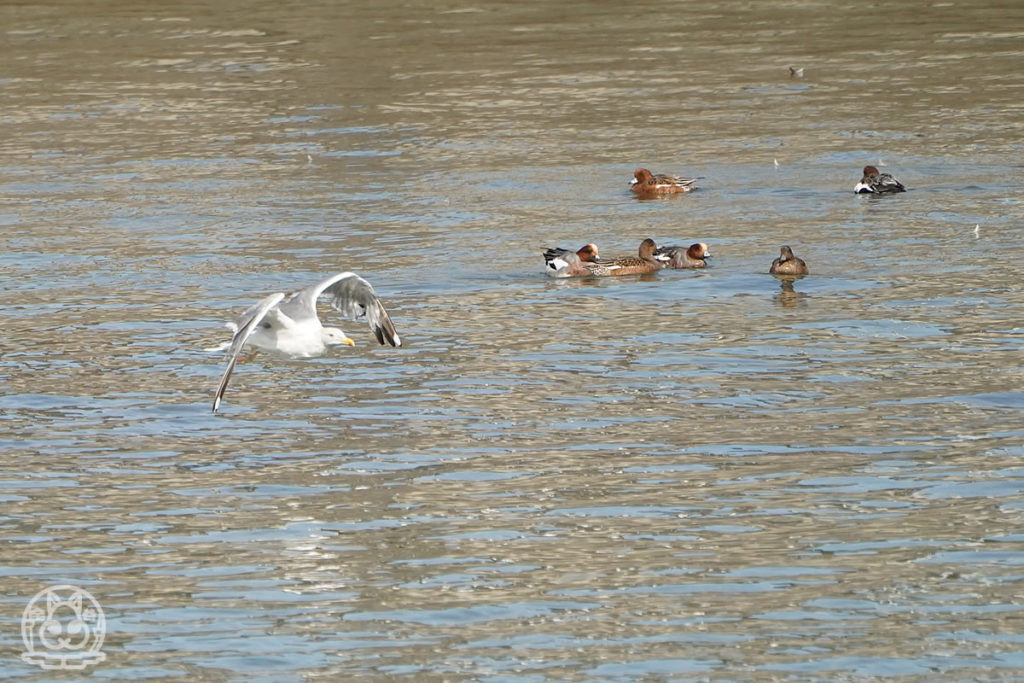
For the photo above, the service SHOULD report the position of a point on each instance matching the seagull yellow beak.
(347, 341)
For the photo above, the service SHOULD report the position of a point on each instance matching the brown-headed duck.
(565, 263)
(643, 262)
(646, 183)
(693, 256)
(788, 264)
(874, 182)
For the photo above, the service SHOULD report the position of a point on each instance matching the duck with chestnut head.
(874, 182)
(645, 183)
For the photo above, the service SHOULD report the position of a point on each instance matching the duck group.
(650, 257)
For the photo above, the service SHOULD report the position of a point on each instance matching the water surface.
(697, 474)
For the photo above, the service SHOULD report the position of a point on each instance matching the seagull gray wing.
(247, 323)
(353, 297)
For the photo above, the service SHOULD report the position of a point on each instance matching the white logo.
(63, 627)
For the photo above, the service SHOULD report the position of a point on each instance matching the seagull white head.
(332, 336)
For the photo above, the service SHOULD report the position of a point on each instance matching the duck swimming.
(693, 256)
(788, 264)
(643, 262)
(565, 263)
(874, 182)
(646, 183)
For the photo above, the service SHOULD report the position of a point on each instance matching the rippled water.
(694, 474)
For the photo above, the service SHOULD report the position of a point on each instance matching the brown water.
(693, 475)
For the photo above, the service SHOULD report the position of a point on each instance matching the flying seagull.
(288, 324)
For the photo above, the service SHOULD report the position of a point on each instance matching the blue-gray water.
(692, 475)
